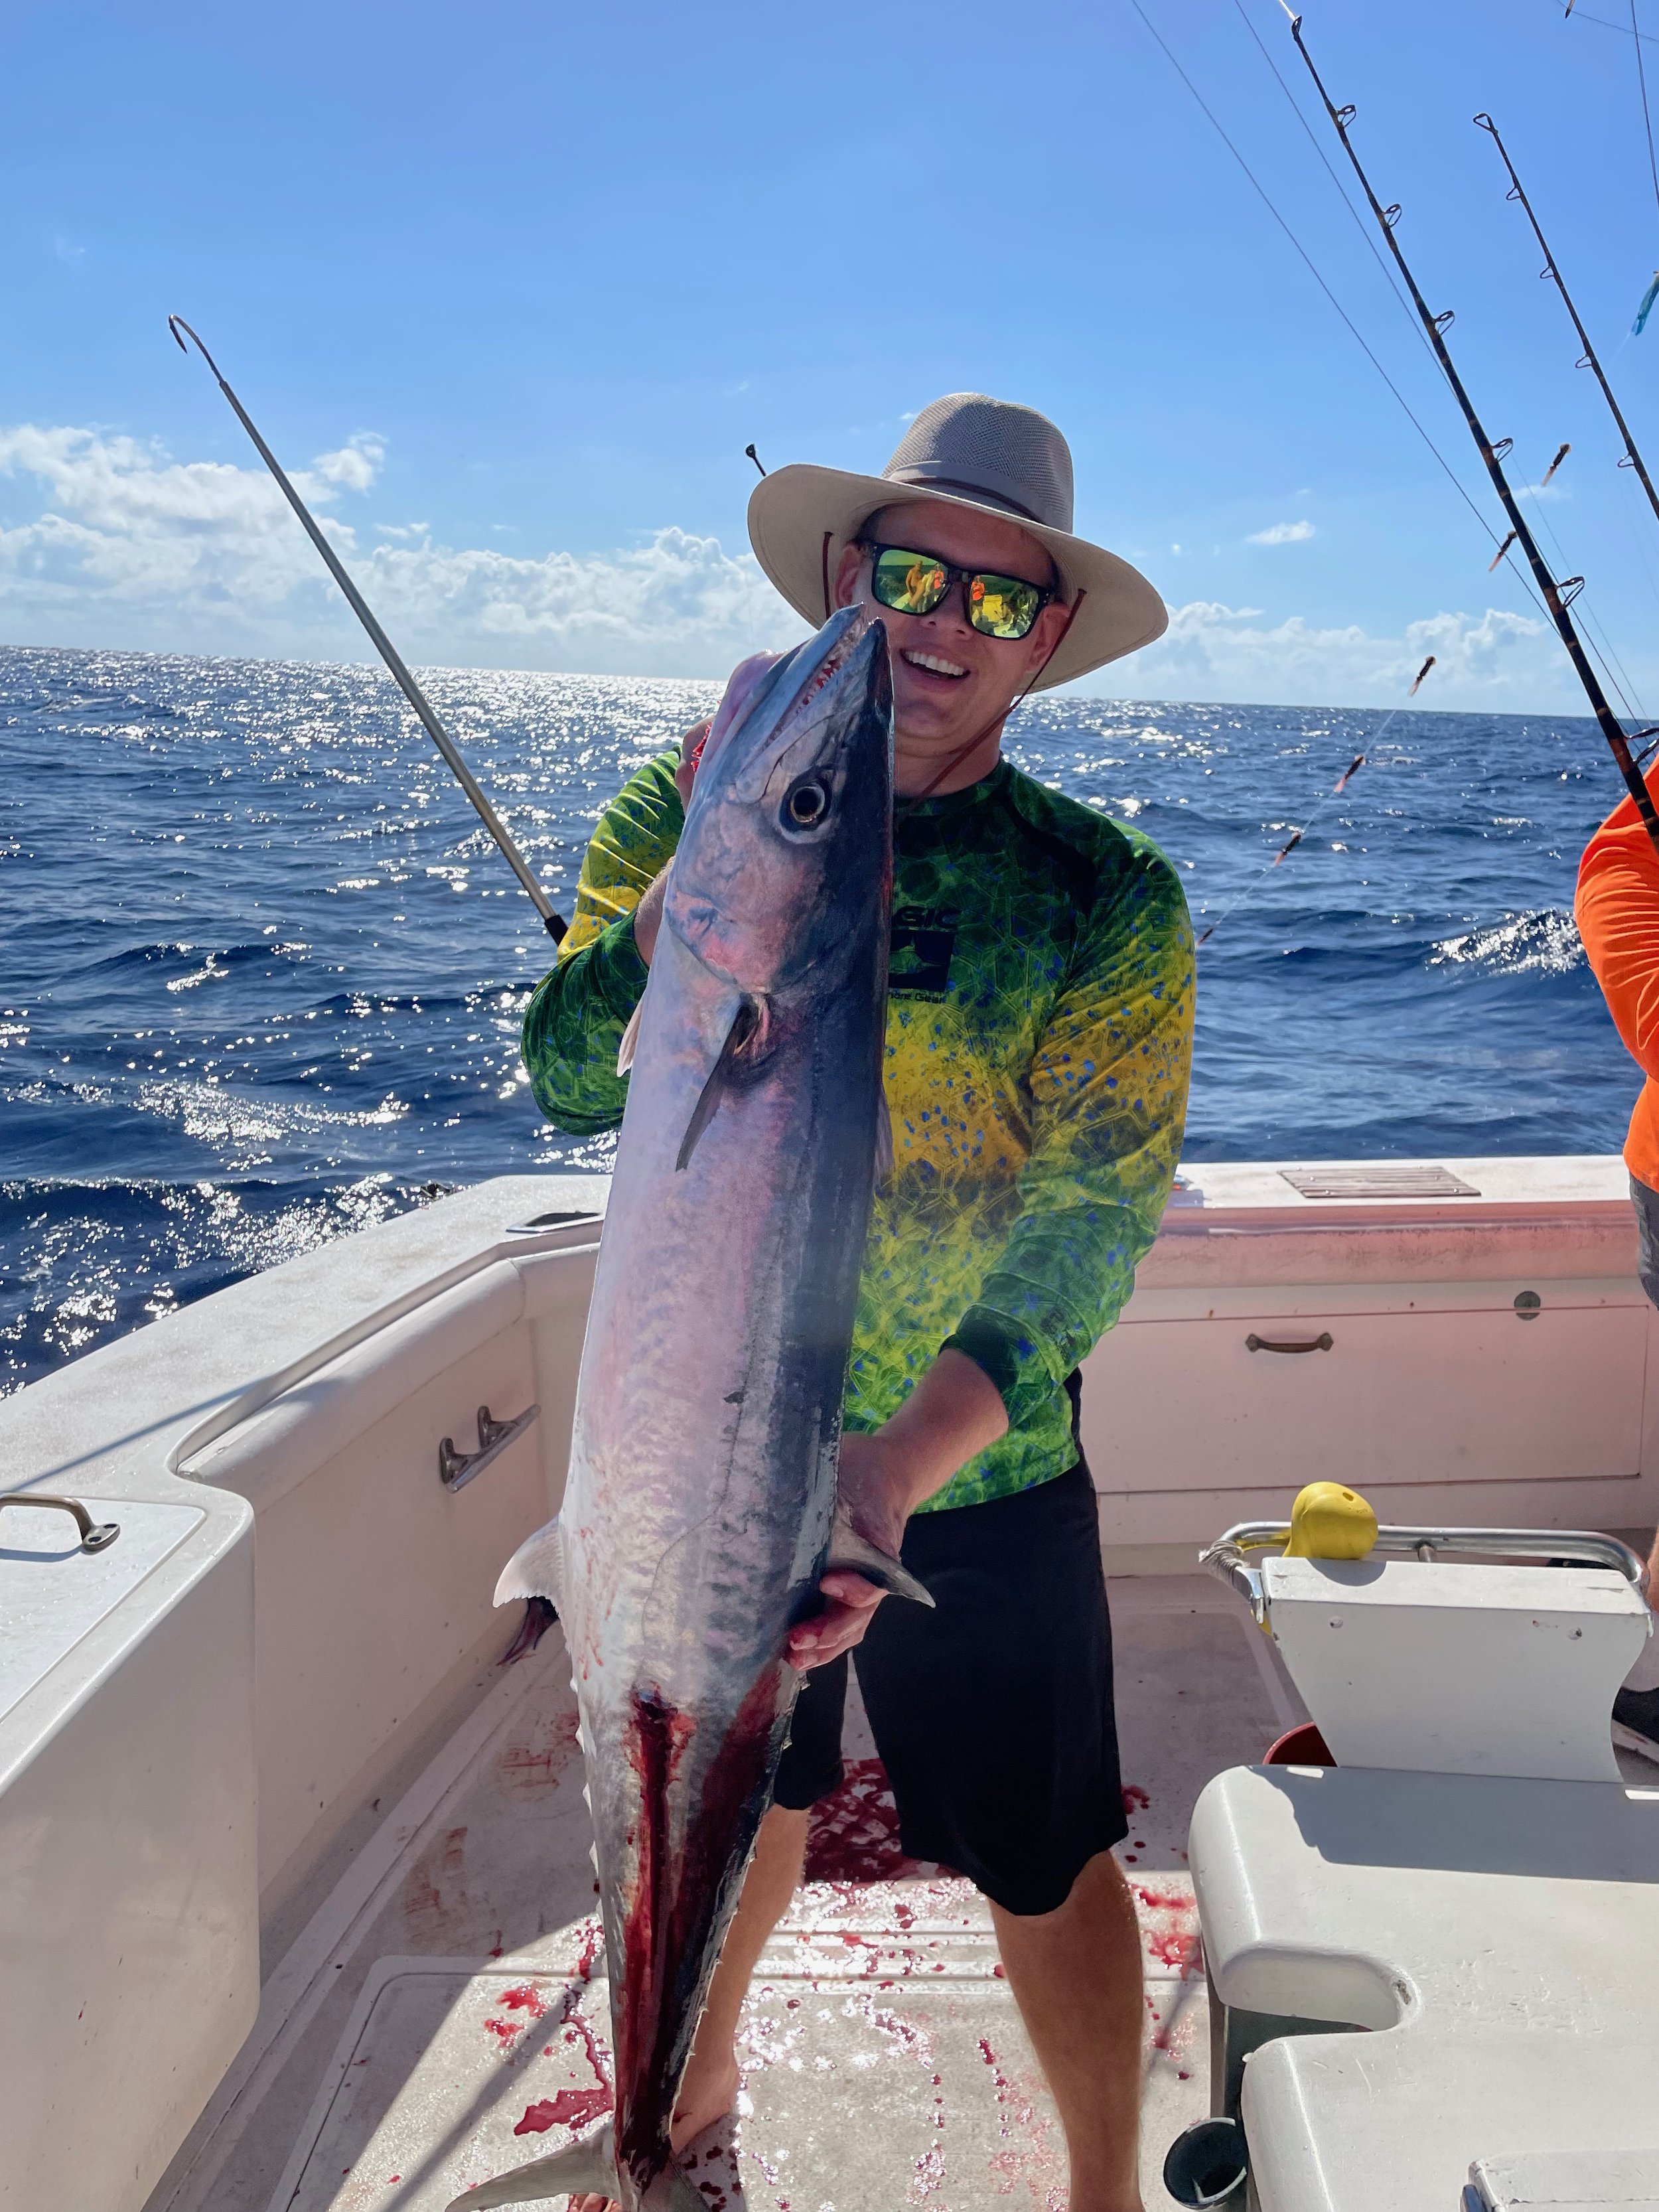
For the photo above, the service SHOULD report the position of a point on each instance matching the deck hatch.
(1411, 1179)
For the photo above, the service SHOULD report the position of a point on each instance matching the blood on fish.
(675, 1897)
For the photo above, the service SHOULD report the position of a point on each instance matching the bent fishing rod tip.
(177, 323)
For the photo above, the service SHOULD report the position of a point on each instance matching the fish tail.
(588, 2163)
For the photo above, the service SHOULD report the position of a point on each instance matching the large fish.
(700, 1510)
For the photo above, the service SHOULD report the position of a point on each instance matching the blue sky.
(514, 285)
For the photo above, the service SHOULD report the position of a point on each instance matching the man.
(1617, 914)
(1039, 1034)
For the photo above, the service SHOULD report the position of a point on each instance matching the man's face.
(949, 681)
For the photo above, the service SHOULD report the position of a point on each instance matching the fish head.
(788, 836)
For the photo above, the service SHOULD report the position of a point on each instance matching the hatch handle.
(456, 1470)
(1323, 1342)
(95, 1535)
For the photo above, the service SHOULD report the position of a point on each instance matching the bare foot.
(702, 2101)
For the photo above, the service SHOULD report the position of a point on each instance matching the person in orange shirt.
(1617, 910)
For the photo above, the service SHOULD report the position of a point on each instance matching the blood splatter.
(1135, 1799)
(571, 2108)
(853, 1834)
(1177, 1948)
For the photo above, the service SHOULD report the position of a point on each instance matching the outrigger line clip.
(554, 924)
(755, 457)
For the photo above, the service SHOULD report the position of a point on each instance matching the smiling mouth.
(934, 665)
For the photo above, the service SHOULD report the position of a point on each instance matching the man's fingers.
(841, 1625)
(847, 1588)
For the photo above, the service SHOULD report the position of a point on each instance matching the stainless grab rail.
(95, 1535)
(1225, 1558)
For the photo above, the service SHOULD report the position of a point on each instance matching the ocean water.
(261, 973)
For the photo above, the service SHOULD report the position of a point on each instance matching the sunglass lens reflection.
(909, 583)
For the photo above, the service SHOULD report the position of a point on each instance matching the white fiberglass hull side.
(187, 1776)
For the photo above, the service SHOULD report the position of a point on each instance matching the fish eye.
(806, 805)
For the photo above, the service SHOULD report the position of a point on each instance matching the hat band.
(925, 481)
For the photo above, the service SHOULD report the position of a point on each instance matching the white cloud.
(1495, 662)
(1281, 533)
(134, 548)
(129, 547)
(357, 463)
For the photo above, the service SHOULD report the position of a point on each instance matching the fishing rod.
(1296, 836)
(554, 924)
(1557, 598)
(1588, 359)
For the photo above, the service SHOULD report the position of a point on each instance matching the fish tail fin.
(536, 1568)
(589, 2164)
(851, 1553)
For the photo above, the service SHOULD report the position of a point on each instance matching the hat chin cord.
(953, 761)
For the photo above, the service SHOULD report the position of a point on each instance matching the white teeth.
(939, 667)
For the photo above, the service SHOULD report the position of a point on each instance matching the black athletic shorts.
(992, 1714)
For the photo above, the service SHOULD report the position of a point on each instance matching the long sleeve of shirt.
(573, 1023)
(1109, 1096)
(1617, 909)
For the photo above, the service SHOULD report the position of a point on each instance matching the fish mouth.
(839, 651)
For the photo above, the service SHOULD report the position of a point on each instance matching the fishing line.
(1647, 118)
(1599, 641)
(554, 924)
(1341, 785)
(1354, 215)
(1559, 596)
(1644, 37)
(1518, 574)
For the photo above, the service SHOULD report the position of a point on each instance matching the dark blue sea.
(261, 974)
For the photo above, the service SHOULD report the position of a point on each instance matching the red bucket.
(1299, 1746)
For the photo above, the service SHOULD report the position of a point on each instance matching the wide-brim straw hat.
(991, 457)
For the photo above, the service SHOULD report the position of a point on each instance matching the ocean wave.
(1544, 942)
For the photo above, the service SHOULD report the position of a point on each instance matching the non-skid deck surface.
(463, 2030)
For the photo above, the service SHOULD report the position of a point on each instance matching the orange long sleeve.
(1617, 909)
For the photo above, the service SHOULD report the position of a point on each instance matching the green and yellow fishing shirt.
(1039, 1040)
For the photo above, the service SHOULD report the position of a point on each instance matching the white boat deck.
(441, 2014)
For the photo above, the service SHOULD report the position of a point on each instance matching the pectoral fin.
(630, 1039)
(742, 1040)
(589, 2164)
(883, 1137)
(536, 1568)
(855, 1554)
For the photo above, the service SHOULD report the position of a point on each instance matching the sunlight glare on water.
(261, 972)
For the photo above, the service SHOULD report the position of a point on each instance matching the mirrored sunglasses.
(917, 583)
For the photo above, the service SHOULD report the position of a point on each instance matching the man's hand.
(951, 1417)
